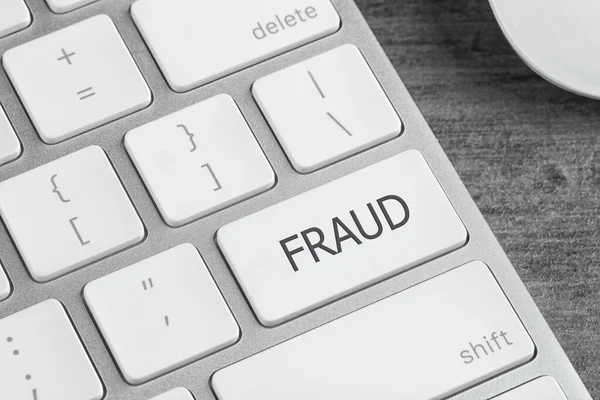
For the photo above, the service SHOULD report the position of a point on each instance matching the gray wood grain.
(528, 152)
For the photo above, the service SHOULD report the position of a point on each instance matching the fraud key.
(341, 237)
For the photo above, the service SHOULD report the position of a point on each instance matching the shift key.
(336, 239)
(428, 342)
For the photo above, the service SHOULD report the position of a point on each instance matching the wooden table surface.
(528, 152)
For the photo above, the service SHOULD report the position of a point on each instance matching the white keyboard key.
(175, 394)
(63, 6)
(428, 342)
(326, 108)
(68, 213)
(312, 249)
(10, 148)
(199, 160)
(4, 285)
(196, 42)
(76, 79)
(41, 357)
(14, 17)
(161, 313)
(544, 388)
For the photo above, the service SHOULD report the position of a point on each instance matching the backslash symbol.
(322, 94)
(338, 123)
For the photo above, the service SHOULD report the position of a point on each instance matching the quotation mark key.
(149, 285)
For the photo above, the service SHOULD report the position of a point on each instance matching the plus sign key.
(66, 56)
(76, 79)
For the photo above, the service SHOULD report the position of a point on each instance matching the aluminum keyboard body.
(482, 245)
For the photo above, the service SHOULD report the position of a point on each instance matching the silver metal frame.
(550, 358)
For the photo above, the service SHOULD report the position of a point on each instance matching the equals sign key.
(85, 93)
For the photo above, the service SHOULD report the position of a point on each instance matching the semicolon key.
(53, 357)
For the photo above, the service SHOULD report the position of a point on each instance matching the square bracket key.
(68, 213)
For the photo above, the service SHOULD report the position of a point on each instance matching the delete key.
(196, 42)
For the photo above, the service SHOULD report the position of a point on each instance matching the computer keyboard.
(239, 200)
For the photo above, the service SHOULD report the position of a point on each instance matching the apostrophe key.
(161, 313)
